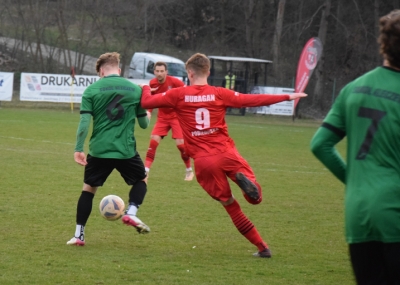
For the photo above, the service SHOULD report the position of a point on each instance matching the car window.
(176, 69)
(150, 67)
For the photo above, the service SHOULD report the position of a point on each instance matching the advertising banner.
(309, 57)
(60, 88)
(284, 108)
(6, 86)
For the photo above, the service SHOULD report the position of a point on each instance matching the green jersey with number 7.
(367, 112)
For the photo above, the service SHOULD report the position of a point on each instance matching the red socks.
(151, 153)
(185, 157)
(245, 226)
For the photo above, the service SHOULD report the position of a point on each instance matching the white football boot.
(189, 175)
(76, 241)
(131, 220)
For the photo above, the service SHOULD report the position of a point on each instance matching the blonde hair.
(109, 58)
(389, 38)
(199, 64)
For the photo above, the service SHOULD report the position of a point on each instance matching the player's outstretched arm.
(160, 100)
(294, 96)
(239, 100)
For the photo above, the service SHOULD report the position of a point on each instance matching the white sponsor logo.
(205, 132)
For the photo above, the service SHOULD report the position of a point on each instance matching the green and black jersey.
(114, 103)
(367, 111)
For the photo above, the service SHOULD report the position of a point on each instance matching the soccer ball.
(112, 207)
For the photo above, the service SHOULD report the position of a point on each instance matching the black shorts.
(376, 262)
(98, 169)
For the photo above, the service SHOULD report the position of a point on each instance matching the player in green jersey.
(114, 104)
(367, 111)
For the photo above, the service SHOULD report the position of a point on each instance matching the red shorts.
(212, 173)
(162, 127)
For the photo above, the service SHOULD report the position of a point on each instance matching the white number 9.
(202, 119)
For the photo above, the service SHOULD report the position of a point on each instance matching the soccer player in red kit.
(166, 119)
(201, 112)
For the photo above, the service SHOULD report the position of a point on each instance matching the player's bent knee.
(156, 138)
(228, 202)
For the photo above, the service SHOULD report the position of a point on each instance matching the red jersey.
(169, 83)
(201, 113)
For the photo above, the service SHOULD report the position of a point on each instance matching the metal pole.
(246, 78)
(144, 69)
(265, 74)
(230, 70)
(212, 73)
(333, 90)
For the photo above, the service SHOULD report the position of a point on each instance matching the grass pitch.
(193, 240)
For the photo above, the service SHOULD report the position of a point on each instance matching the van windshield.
(176, 69)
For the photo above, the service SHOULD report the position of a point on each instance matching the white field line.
(297, 171)
(321, 171)
(43, 141)
(293, 129)
(304, 168)
(269, 167)
(27, 150)
(39, 122)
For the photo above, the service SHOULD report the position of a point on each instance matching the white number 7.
(202, 118)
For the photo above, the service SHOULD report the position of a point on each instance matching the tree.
(319, 70)
(277, 36)
(58, 34)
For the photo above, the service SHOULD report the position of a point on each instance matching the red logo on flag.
(308, 61)
(311, 58)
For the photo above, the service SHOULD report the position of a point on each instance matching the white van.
(142, 66)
